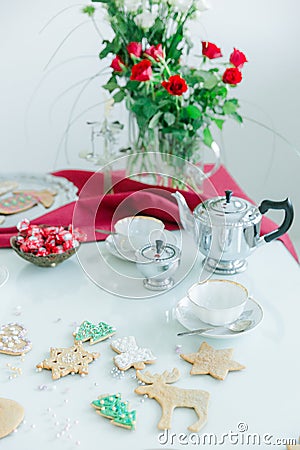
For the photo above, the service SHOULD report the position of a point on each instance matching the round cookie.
(11, 415)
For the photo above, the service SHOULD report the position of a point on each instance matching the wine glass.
(3, 275)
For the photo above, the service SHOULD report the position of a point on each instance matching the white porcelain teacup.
(218, 302)
(134, 232)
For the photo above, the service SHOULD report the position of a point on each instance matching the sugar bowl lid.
(160, 251)
(227, 209)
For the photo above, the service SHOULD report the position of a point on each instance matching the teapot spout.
(186, 217)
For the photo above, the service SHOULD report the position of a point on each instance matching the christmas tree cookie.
(93, 333)
(112, 407)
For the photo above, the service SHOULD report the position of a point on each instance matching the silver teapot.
(227, 229)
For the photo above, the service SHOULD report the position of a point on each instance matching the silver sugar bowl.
(158, 262)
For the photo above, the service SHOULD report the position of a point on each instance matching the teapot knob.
(228, 195)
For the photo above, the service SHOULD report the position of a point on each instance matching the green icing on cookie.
(113, 407)
(94, 333)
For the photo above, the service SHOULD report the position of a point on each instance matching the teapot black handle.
(287, 206)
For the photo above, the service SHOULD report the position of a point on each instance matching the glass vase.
(165, 159)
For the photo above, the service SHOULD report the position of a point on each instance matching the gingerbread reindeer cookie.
(171, 397)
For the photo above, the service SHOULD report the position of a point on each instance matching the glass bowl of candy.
(45, 245)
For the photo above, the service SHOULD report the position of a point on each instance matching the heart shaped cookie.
(12, 340)
(11, 415)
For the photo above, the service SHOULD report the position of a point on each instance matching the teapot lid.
(228, 204)
(229, 209)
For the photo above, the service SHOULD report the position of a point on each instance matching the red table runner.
(95, 209)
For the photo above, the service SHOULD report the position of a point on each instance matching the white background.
(34, 114)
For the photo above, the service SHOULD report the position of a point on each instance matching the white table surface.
(265, 396)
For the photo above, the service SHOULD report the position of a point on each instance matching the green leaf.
(149, 110)
(111, 85)
(119, 96)
(210, 79)
(237, 117)
(219, 123)
(154, 121)
(193, 112)
(89, 10)
(207, 137)
(230, 106)
(169, 118)
(110, 47)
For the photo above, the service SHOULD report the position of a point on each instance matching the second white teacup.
(134, 232)
(218, 302)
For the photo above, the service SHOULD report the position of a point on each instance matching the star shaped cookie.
(216, 363)
(72, 360)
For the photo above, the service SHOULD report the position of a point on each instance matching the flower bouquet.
(172, 106)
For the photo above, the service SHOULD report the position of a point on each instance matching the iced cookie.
(170, 397)
(64, 361)
(11, 415)
(216, 363)
(17, 203)
(45, 197)
(130, 355)
(112, 407)
(93, 333)
(13, 340)
(7, 186)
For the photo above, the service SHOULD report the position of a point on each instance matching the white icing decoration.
(12, 338)
(130, 352)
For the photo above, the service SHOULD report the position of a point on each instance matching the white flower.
(145, 20)
(181, 5)
(202, 5)
(184, 5)
(132, 5)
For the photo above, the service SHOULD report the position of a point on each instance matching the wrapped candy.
(45, 240)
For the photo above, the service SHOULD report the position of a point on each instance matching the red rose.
(175, 85)
(155, 51)
(117, 64)
(134, 48)
(141, 71)
(237, 58)
(210, 50)
(232, 76)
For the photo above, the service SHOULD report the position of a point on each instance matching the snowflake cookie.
(71, 360)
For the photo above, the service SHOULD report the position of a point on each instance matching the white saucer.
(183, 312)
(3, 275)
(130, 255)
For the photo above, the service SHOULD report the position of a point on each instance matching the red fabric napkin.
(98, 210)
